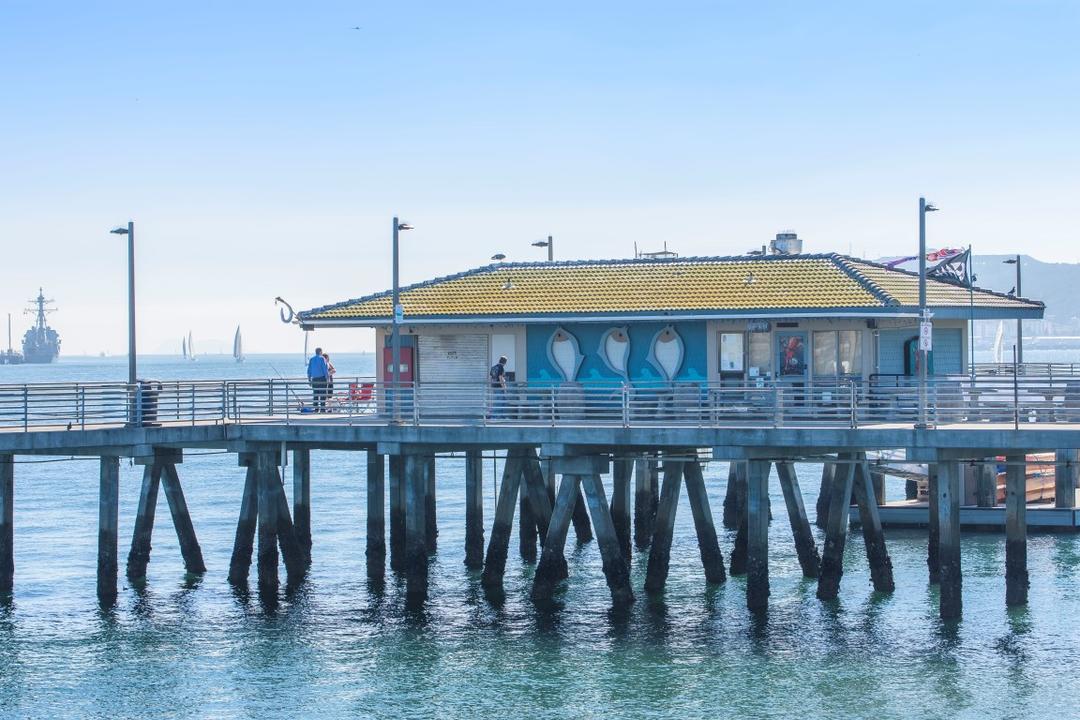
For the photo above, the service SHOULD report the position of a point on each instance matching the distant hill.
(1056, 284)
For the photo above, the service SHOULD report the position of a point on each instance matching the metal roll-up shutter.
(453, 371)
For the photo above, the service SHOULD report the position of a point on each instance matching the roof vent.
(786, 243)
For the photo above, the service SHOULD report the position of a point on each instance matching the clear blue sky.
(262, 147)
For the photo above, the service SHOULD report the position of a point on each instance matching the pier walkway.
(640, 435)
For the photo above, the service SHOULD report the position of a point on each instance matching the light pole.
(130, 232)
(925, 338)
(398, 315)
(1019, 323)
(549, 244)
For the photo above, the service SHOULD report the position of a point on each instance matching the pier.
(557, 448)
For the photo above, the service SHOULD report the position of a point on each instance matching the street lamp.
(925, 329)
(130, 232)
(398, 314)
(549, 244)
(1019, 323)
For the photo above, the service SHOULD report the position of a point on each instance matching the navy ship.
(41, 344)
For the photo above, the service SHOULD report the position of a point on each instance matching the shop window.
(732, 352)
(824, 353)
(837, 353)
(759, 355)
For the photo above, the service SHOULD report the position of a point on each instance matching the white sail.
(238, 346)
(183, 348)
(190, 347)
(999, 343)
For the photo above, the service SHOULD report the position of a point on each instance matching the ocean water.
(191, 647)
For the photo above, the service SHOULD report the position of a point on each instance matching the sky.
(262, 148)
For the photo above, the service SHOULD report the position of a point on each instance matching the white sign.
(399, 313)
(926, 336)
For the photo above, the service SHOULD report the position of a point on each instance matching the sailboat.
(190, 348)
(183, 348)
(237, 346)
(999, 343)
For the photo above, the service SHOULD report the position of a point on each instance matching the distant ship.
(238, 346)
(41, 344)
(9, 356)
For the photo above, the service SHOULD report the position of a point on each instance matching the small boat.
(183, 348)
(190, 348)
(238, 347)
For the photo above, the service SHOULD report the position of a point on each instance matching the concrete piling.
(301, 472)
(660, 549)
(615, 570)
(526, 529)
(431, 522)
(1066, 470)
(552, 566)
(832, 557)
(416, 474)
(7, 523)
(881, 571)
(1016, 572)
(291, 550)
(474, 510)
(933, 555)
(498, 545)
(243, 545)
(621, 472)
(643, 516)
(534, 487)
(731, 499)
(950, 490)
(267, 565)
(986, 483)
(108, 528)
(139, 555)
(738, 552)
(582, 526)
(397, 513)
(805, 546)
(375, 552)
(821, 508)
(709, 548)
(185, 531)
(757, 535)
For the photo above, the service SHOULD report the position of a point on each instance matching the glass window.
(731, 352)
(760, 354)
(850, 352)
(825, 353)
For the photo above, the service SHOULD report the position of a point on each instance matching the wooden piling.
(1066, 468)
(709, 548)
(244, 542)
(291, 550)
(832, 557)
(301, 519)
(1016, 572)
(881, 571)
(933, 556)
(582, 526)
(615, 569)
(660, 549)
(620, 503)
(738, 551)
(552, 566)
(416, 515)
(397, 513)
(950, 490)
(499, 544)
(474, 509)
(7, 524)
(757, 535)
(431, 522)
(267, 565)
(805, 546)
(108, 528)
(643, 524)
(139, 555)
(185, 531)
(821, 508)
(375, 552)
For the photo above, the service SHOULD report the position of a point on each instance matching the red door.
(406, 371)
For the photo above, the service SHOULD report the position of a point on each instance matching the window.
(731, 352)
(760, 354)
(825, 353)
(850, 352)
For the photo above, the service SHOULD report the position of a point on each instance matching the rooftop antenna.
(658, 254)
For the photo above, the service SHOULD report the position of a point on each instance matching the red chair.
(362, 397)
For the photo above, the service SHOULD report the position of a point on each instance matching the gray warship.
(41, 344)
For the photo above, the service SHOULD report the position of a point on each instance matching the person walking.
(319, 377)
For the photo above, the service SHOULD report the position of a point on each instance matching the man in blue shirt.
(319, 377)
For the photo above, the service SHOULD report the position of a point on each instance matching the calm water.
(192, 648)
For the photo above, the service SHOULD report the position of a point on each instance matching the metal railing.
(839, 403)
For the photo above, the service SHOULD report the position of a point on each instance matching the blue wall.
(948, 350)
(593, 369)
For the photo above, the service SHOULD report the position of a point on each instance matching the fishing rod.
(288, 388)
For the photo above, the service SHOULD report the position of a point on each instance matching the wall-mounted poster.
(791, 355)
(731, 352)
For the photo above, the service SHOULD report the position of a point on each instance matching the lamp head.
(498, 257)
(404, 226)
(119, 231)
(540, 243)
(1010, 261)
(930, 207)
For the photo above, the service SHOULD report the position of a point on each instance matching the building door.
(453, 371)
(791, 357)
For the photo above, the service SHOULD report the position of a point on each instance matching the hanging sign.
(926, 336)
(399, 313)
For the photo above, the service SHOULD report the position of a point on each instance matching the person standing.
(330, 371)
(497, 376)
(319, 377)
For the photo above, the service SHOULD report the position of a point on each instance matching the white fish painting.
(564, 354)
(615, 349)
(667, 351)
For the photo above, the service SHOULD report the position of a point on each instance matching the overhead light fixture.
(498, 257)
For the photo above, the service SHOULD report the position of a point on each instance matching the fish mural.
(667, 352)
(615, 349)
(564, 354)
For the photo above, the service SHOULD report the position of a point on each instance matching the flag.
(953, 269)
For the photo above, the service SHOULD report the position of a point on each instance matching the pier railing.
(837, 403)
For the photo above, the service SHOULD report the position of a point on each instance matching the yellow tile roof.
(690, 286)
